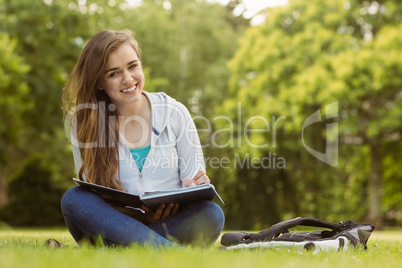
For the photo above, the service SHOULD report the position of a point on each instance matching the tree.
(306, 56)
(184, 54)
(374, 75)
(48, 35)
(43, 33)
(34, 200)
(13, 103)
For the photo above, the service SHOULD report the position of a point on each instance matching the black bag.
(340, 236)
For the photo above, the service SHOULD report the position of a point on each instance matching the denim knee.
(69, 198)
(74, 196)
(211, 214)
(209, 221)
(217, 217)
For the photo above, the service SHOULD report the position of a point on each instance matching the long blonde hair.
(100, 161)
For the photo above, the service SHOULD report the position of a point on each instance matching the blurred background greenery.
(304, 56)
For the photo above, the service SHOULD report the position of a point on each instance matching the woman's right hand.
(161, 213)
(199, 178)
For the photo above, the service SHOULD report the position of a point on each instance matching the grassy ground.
(24, 248)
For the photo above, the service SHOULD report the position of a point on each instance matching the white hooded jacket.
(175, 150)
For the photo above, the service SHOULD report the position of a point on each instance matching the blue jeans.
(87, 215)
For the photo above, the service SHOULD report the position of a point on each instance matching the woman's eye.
(112, 74)
(133, 66)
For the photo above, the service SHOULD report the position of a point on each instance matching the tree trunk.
(3, 192)
(375, 186)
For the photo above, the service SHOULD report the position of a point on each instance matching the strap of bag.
(305, 222)
(274, 231)
(282, 227)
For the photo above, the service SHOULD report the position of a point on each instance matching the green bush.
(34, 199)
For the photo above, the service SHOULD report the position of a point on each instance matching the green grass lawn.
(24, 248)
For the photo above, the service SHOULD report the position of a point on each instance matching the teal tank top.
(139, 155)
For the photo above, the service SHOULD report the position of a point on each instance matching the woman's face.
(122, 78)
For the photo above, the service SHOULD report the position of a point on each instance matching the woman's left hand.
(161, 213)
(199, 178)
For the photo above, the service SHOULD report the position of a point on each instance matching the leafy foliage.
(14, 91)
(234, 79)
(33, 199)
(310, 54)
(178, 46)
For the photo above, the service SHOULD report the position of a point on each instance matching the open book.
(153, 200)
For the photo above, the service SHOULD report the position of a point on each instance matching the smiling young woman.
(128, 139)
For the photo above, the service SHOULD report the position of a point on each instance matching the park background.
(306, 55)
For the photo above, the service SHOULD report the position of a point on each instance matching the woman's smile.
(129, 90)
